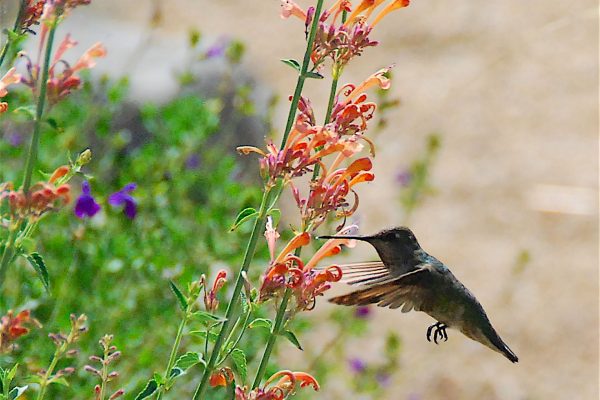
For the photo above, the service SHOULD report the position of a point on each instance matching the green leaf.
(182, 301)
(175, 372)
(188, 360)
(292, 63)
(212, 337)
(314, 75)
(261, 323)
(148, 391)
(245, 215)
(292, 338)
(275, 213)
(158, 378)
(59, 380)
(28, 111)
(207, 318)
(12, 373)
(239, 361)
(16, 392)
(37, 262)
(245, 303)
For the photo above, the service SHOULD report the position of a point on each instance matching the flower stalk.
(260, 221)
(259, 226)
(35, 139)
(281, 311)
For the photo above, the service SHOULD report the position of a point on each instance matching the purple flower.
(122, 197)
(362, 312)
(86, 205)
(383, 378)
(15, 139)
(218, 48)
(403, 178)
(357, 365)
(192, 162)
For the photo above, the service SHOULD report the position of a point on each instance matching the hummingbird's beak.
(363, 238)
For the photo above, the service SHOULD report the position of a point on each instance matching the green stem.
(279, 321)
(35, 139)
(259, 226)
(237, 340)
(174, 351)
(48, 374)
(303, 71)
(8, 252)
(15, 31)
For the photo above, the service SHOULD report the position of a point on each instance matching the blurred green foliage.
(111, 268)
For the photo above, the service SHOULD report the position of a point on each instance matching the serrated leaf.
(206, 317)
(59, 380)
(261, 323)
(37, 262)
(212, 337)
(239, 361)
(180, 297)
(16, 392)
(292, 338)
(148, 391)
(188, 360)
(245, 215)
(292, 63)
(314, 75)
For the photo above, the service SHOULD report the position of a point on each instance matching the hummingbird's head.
(400, 236)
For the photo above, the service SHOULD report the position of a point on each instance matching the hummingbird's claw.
(440, 332)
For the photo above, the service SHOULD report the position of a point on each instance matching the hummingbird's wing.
(410, 290)
(366, 273)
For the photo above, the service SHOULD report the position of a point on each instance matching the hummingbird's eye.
(397, 235)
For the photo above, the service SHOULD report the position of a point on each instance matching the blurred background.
(488, 151)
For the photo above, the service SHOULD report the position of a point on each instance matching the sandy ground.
(512, 87)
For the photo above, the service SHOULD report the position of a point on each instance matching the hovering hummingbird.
(410, 278)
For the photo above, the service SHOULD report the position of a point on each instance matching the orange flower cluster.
(13, 327)
(337, 40)
(278, 387)
(61, 81)
(42, 196)
(32, 11)
(308, 143)
(289, 271)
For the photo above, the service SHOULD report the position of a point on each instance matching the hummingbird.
(410, 278)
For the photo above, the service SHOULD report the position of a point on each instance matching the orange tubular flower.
(221, 377)
(289, 8)
(210, 297)
(12, 327)
(394, 5)
(11, 77)
(285, 386)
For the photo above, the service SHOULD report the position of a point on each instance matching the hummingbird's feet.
(440, 332)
